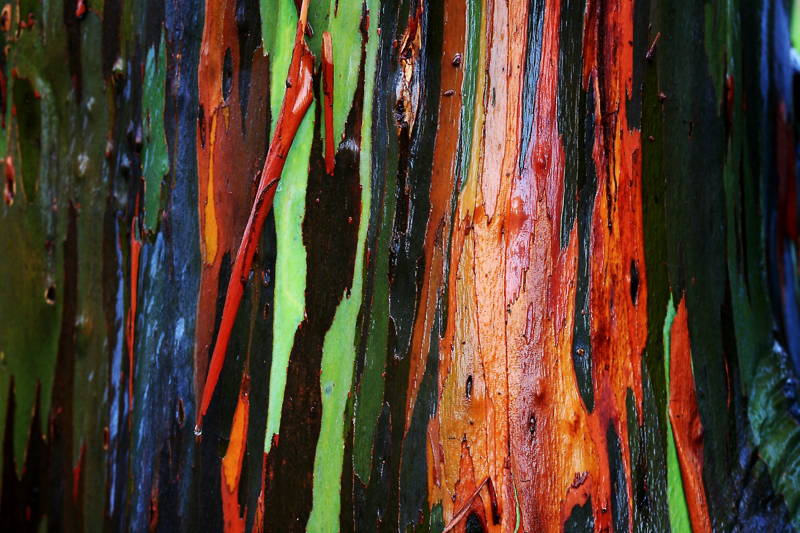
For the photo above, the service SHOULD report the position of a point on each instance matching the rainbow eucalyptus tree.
(392, 265)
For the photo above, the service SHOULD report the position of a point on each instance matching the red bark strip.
(327, 89)
(225, 155)
(136, 250)
(296, 101)
(685, 418)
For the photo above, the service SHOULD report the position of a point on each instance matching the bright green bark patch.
(289, 207)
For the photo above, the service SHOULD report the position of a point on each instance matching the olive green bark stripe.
(369, 395)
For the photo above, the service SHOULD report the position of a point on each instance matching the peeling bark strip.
(466, 265)
(296, 101)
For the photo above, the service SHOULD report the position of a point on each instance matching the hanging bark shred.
(298, 98)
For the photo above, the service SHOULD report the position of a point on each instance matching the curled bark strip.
(327, 84)
(296, 101)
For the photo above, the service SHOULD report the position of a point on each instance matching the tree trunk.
(529, 266)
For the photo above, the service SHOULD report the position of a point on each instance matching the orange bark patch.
(230, 152)
(512, 287)
(231, 468)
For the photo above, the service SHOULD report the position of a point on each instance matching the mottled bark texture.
(510, 266)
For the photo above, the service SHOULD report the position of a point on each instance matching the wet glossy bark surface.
(529, 266)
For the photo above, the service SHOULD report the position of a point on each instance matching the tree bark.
(529, 266)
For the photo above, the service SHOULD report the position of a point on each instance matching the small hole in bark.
(473, 524)
(634, 282)
(50, 295)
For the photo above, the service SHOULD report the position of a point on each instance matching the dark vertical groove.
(112, 14)
(619, 486)
(374, 509)
(260, 361)
(63, 513)
(413, 505)
(413, 502)
(248, 25)
(216, 430)
(73, 27)
(576, 128)
(572, 112)
(641, 35)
